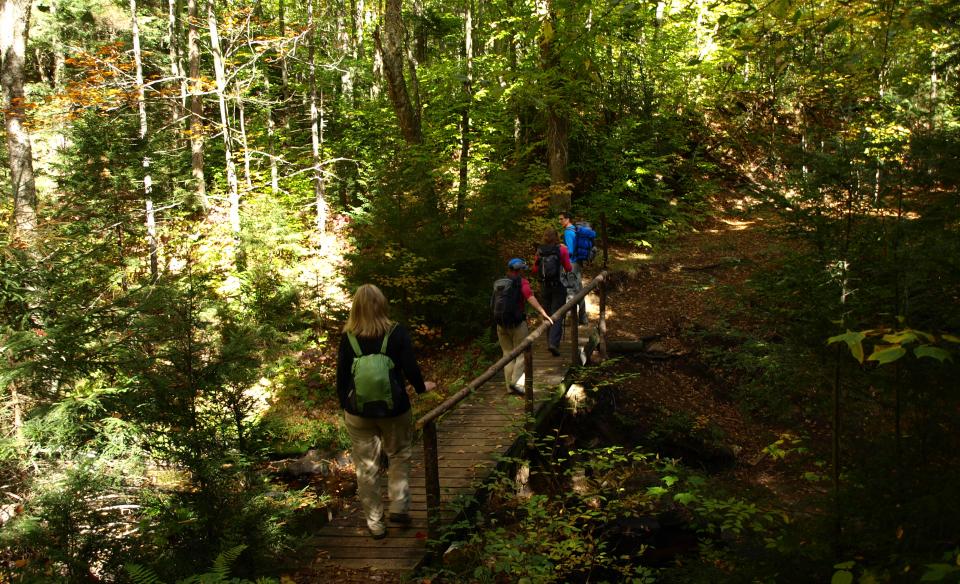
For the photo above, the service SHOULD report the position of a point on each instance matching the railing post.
(575, 336)
(431, 467)
(528, 388)
(602, 325)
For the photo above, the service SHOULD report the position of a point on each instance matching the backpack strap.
(383, 346)
(386, 337)
(355, 344)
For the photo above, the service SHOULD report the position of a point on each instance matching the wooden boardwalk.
(471, 438)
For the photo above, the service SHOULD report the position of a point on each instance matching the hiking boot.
(554, 351)
(401, 518)
(515, 389)
(378, 532)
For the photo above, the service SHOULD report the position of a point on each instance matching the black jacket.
(400, 350)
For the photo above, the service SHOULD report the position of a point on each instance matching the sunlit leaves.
(892, 346)
(854, 340)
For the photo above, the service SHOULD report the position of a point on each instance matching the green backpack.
(371, 374)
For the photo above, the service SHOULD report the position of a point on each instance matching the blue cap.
(517, 264)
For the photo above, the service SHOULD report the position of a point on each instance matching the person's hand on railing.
(547, 318)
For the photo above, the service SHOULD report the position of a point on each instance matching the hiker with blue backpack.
(511, 294)
(552, 265)
(374, 361)
(579, 239)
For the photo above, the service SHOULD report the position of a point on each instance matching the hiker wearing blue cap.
(510, 294)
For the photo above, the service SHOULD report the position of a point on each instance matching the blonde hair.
(550, 236)
(368, 315)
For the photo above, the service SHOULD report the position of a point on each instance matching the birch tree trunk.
(390, 46)
(196, 107)
(316, 126)
(176, 110)
(271, 139)
(147, 179)
(14, 27)
(465, 116)
(221, 79)
(243, 141)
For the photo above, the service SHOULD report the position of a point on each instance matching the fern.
(142, 575)
(218, 574)
(221, 566)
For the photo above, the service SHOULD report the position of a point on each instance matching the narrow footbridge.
(462, 440)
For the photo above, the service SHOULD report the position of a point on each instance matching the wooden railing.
(428, 423)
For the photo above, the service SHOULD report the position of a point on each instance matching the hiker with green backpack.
(374, 360)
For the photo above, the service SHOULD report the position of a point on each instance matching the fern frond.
(142, 574)
(221, 566)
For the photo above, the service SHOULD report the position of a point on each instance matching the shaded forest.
(191, 190)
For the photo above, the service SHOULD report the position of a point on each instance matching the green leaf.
(685, 498)
(842, 577)
(937, 572)
(844, 565)
(951, 338)
(854, 340)
(933, 352)
(901, 337)
(887, 354)
(656, 491)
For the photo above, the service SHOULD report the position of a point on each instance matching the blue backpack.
(583, 249)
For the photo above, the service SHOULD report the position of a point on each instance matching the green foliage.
(219, 572)
(563, 535)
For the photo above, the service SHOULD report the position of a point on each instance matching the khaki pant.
(394, 436)
(509, 339)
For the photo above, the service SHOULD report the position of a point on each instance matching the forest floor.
(671, 297)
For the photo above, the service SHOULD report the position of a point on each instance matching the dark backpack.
(507, 302)
(583, 249)
(372, 382)
(548, 265)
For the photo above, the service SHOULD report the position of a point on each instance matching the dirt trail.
(669, 293)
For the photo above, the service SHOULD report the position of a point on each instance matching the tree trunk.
(243, 142)
(221, 79)
(176, 110)
(465, 115)
(390, 46)
(557, 124)
(271, 139)
(196, 108)
(14, 27)
(316, 126)
(420, 33)
(347, 48)
(147, 179)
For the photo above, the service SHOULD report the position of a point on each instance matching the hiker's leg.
(397, 440)
(365, 452)
(505, 336)
(578, 286)
(519, 334)
(556, 297)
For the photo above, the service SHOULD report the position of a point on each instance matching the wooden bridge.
(479, 424)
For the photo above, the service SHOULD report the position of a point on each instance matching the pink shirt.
(525, 290)
(564, 259)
